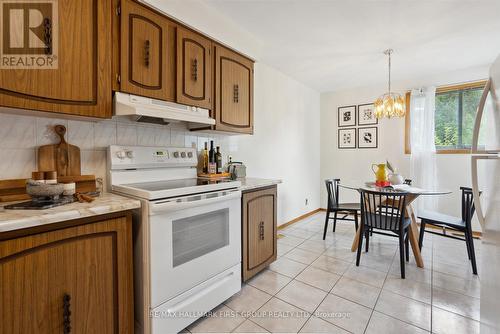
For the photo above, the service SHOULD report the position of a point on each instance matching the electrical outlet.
(307, 201)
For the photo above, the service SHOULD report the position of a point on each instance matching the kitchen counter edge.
(106, 203)
(252, 183)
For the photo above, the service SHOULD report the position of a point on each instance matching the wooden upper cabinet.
(80, 84)
(233, 91)
(147, 52)
(194, 69)
(259, 230)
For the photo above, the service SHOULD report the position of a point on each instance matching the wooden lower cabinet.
(259, 230)
(84, 272)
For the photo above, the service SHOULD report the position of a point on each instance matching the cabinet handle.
(236, 93)
(261, 231)
(66, 313)
(194, 69)
(147, 47)
(47, 26)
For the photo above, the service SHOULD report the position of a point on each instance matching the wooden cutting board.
(63, 158)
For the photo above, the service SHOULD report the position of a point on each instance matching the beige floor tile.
(287, 267)
(283, 249)
(377, 261)
(299, 233)
(318, 278)
(366, 275)
(355, 291)
(269, 281)
(405, 309)
(411, 271)
(290, 240)
(456, 303)
(278, 316)
(381, 323)
(222, 320)
(469, 287)
(341, 252)
(331, 264)
(344, 313)
(462, 271)
(302, 256)
(302, 295)
(409, 288)
(249, 327)
(317, 325)
(249, 299)
(444, 322)
(314, 246)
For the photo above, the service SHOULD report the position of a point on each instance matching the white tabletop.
(357, 185)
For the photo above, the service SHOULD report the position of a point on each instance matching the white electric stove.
(187, 236)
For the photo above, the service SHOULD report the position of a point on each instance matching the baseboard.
(293, 221)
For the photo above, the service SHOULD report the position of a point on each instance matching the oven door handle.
(191, 202)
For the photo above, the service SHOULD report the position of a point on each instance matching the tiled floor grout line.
(378, 296)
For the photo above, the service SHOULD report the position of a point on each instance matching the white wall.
(286, 114)
(354, 164)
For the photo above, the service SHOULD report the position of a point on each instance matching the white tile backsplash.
(20, 137)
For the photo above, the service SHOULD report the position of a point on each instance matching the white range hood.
(143, 109)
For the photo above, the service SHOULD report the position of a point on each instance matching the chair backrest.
(408, 182)
(383, 209)
(332, 187)
(468, 207)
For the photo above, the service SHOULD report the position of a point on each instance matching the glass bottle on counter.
(212, 166)
(205, 159)
(218, 160)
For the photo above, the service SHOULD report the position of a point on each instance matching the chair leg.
(326, 223)
(402, 253)
(467, 244)
(360, 244)
(367, 236)
(407, 246)
(472, 252)
(334, 221)
(421, 236)
(356, 220)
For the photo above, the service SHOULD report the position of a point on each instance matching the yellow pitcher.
(380, 173)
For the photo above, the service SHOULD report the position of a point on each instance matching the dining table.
(412, 194)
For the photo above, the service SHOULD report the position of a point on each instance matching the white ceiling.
(338, 44)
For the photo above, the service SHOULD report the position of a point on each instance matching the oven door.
(193, 238)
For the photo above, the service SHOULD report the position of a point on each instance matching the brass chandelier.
(390, 104)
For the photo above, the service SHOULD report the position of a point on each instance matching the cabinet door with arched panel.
(194, 69)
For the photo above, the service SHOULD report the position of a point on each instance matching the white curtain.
(423, 147)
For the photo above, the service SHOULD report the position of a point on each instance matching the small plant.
(389, 167)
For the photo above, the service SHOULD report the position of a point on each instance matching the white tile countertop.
(250, 183)
(106, 203)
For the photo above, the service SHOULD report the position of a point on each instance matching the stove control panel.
(133, 157)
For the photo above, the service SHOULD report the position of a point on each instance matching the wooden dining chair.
(461, 224)
(335, 207)
(383, 212)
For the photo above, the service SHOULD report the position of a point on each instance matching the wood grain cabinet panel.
(194, 69)
(233, 91)
(259, 230)
(146, 46)
(90, 264)
(81, 83)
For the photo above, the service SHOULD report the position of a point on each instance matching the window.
(456, 108)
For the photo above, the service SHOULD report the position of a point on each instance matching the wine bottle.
(212, 167)
(205, 159)
(218, 160)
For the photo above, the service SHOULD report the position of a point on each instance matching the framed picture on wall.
(347, 116)
(366, 114)
(368, 137)
(347, 138)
